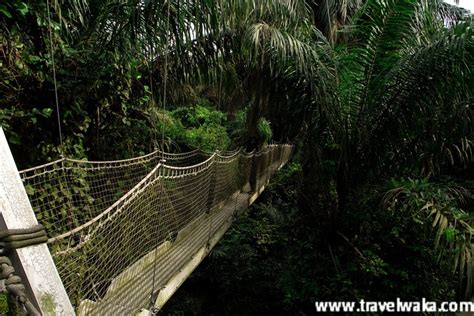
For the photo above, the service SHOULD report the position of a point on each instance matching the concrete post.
(34, 263)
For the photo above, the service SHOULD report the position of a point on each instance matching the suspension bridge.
(122, 236)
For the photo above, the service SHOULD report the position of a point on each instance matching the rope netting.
(104, 219)
(57, 188)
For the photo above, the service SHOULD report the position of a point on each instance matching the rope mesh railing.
(105, 219)
(57, 188)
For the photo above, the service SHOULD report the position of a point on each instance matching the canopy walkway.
(124, 235)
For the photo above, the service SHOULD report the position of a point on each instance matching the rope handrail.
(114, 161)
(41, 166)
(108, 210)
(230, 154)
(155, 154)
(205, 164)
(119, 205)
(102, 217)
(211, 158)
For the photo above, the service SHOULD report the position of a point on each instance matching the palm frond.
(451, 227)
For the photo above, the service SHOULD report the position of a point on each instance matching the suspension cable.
(154, 294)
(165, 78)
(152, 93)
(54, 79)
(221, 51)
(219, 100)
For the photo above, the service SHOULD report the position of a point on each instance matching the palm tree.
(373, 88)
(404, 106)
(263, 41)
(107, 52)
(330, 15)
(402, 81)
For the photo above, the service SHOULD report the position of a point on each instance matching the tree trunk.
(317, 192)
(257, 111)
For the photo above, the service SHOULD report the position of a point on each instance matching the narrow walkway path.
(175, 261)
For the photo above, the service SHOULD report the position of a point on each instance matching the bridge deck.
(124, 235)
(177, 260)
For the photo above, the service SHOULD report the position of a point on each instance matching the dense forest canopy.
(376, 95)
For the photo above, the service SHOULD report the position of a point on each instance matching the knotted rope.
(10, 282)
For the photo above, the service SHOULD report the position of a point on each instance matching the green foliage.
(252, 263)
(237, 126)
(108, 80)
(264, 130)
(199, 127)
(199, 115)
(404, 108)
(398, 101)
(14, 6)
(3, 304)
(386, 93)
(278, 259)
(208, 138)
(10, 306)
(440, 207)
(6, 114)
